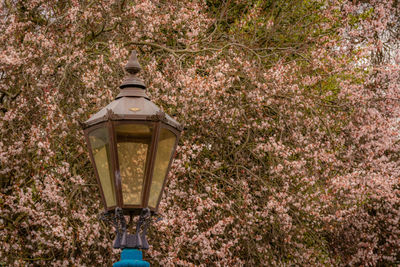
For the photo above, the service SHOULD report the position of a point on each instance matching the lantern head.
(131, 144)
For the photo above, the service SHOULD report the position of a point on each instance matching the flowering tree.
(290, 154)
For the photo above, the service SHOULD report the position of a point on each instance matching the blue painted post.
(131, 258)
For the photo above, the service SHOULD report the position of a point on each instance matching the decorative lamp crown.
(132, 68)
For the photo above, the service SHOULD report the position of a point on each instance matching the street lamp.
(131, 144)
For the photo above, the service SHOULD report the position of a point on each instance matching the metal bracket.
(122, 238)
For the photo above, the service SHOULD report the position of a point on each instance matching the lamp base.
(131, 258)
(122, 238)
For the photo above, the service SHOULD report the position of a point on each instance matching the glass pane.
(164, 153)
(101, 153)
(133, 143)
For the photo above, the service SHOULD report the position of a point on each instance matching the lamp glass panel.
(133, 144)
(166, 143)
(100, 145)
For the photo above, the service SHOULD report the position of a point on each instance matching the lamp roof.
(132, 103)
(131, 108)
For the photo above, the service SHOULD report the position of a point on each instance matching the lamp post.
(131, 144)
